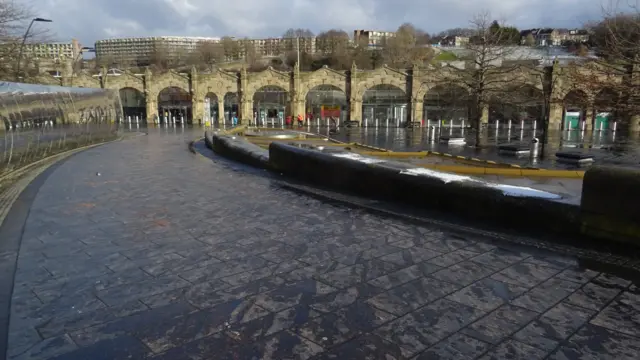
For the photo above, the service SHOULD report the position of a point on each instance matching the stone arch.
(517, 104)
(385, 102)
(381, 76)
(606, 99)
(605, 104)
(326, 100)
(211, 108)
(265, 78)
(446, 102)
(123, 81)
(270, 103)
(231, 105)
(175, 104)
(575, 112)
(169, 79)
(323, 76)
(576, 98)
(133, 102)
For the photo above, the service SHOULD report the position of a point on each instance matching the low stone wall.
(237, 148)
(609, 207)
(459, 195)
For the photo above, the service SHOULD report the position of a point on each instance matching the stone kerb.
(609, 207)
(237, 148)
(473, 200)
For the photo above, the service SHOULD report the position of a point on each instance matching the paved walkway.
(169, 256)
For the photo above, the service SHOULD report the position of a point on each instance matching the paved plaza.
(140, 249)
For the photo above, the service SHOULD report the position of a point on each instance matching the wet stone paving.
(169, 255)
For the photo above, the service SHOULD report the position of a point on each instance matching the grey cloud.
(89, 20)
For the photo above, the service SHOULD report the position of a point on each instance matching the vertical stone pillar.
(197, 109)
(103, 77)
(151, 98)
(246, 111)
(634, 126)
(589, 117)
(67, 74)
(152, 107)
(245, 108)
(484, 116)
(417, 108)
(355, 102)
(556, 111)
(297, 103)
(220, 111)
(197, 101)
(417, 103)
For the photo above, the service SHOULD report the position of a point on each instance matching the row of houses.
(531, 37)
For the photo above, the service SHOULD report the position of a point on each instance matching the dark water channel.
(607, 147)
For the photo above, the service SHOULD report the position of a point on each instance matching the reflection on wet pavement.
(181, 257)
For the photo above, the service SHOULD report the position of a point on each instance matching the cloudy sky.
(90, 20)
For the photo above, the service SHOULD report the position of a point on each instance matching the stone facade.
(416, 83)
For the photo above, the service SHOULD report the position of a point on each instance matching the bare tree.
(488, 71)
(529, 40)
(210, 53)
(231, 48)
(363, 57)
(334, 48)
(294, 33)
(252, 55)
(422, 38)
(293, 38)
(160, 57)
(403, 50)
(456, 32)
(14, 20)
(616, 39)
(332, 42)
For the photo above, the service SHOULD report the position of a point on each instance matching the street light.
(24, 39)
(298, 48)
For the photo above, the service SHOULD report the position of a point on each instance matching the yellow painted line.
(569, 174)
(396, 154)
(262, 138)
(318, 142)
(468, 170)
(371, 147)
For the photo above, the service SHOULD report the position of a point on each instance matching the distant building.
(373, 38)
(57, 51)
(457, 41)
(142, 49)
(553, 37)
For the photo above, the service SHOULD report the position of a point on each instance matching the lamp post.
(298, 48)
(24, 39)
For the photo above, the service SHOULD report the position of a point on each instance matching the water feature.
(607, 147)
